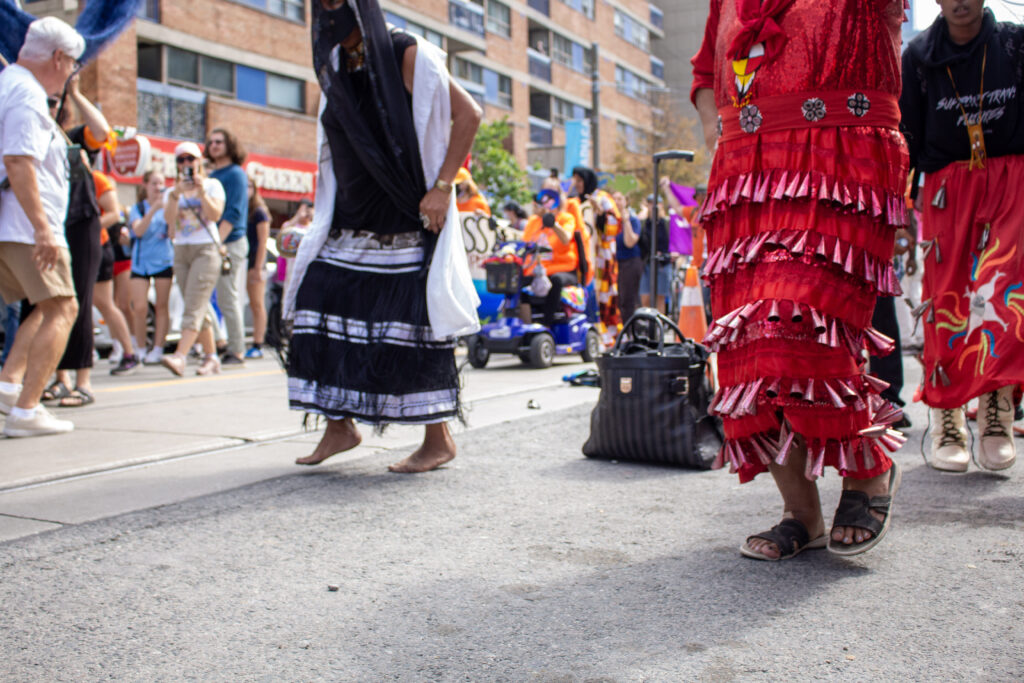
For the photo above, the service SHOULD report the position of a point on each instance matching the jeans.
(229, 295)
(12, 318)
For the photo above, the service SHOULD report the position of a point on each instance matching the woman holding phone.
(191, 209)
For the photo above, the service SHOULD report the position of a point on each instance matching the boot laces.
(951, 435)
(992, 426)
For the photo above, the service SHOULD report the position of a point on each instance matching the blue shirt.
(622, 252)
(236, 199)
(153, 252)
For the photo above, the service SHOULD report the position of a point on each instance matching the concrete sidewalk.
(152, 439)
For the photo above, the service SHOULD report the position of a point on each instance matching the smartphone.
(189, 174)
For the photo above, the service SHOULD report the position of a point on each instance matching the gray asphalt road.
(523, 561)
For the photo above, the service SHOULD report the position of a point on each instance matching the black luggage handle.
(652, 316)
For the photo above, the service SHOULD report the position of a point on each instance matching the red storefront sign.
(275, 177)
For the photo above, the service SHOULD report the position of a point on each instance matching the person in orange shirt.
(467, 195)
(554, 228)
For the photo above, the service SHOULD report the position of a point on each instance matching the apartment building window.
(657, 67)
(149, 9)
(561, 50)
(627, 135)
(208, 73)
(563, 110)
(170, 111)
(244, 83)
(290, 9)
(657, 17)
(498, 88)
(632, 31)
(499, 18)
(585, 7)
(414, 28)
(471, 77)
(571, 54)
(629, 83)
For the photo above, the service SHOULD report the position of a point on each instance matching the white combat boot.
(949, 440)
(995, 424)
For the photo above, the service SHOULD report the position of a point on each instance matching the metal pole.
(658, 158)
(595, 108)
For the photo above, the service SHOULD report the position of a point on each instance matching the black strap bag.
(654, 398)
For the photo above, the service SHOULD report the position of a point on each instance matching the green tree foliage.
(495, 170)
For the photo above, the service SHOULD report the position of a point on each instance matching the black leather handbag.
(654, 398)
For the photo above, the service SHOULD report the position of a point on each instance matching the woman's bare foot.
(876, 486)
(437, 449)
(340, 435)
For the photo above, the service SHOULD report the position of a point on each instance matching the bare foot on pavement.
(340, 436)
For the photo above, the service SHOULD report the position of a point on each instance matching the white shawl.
(451, 296)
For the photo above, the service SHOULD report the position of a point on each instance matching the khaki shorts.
(21, 279)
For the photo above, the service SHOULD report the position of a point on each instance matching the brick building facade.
(187, 66)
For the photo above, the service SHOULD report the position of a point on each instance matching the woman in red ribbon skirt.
(799, 100)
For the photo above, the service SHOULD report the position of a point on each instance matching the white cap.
(189, 148)
(47, 35)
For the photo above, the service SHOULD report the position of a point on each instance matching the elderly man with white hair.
(34, 257)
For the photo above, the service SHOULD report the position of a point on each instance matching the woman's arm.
(466, 117)
(262, 233)
(111, 209)
(629, 236)
(171, 210)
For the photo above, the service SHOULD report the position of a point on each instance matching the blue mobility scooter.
(534, 343)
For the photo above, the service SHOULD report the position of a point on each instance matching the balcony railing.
(541, 6)
(170, 111)
(149, 9)
(466, 15)
(540, 64)
(657, 18)
(540, 131)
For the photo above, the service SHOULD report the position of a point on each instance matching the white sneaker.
(153, 357)
(7, 400)
(40, 424)
(116, 353)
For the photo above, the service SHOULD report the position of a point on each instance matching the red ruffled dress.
(805, 195)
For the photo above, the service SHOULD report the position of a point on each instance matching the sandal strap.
(855, 507)
(783, 536)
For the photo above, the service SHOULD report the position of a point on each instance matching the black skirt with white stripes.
(361, 343)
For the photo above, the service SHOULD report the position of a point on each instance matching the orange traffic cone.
(691, 307)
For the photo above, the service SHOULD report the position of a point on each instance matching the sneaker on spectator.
(8, 399)
(231, 361)
(116, 353)
(210, 366)
(128, 365)
(153, 356)
(254, 353)
(40, 424)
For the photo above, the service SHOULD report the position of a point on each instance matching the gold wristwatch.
(443, 185)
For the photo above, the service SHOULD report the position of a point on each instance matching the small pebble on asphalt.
(332, 587)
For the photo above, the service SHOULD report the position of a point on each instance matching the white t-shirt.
(189, 229)
(27, 129)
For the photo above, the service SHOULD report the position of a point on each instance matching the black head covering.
(589, 179)
(392, 159)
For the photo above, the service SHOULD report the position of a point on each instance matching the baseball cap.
(187, 147)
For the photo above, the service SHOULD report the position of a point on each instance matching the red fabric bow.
(758, 20)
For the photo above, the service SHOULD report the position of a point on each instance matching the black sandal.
(77, 398)
(55, 392)
(855, 510)
(790, 536)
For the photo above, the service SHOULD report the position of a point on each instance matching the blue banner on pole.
(577, 144)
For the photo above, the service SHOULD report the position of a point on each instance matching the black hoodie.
(932, 121)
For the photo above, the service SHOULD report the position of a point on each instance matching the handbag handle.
(652, 316)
